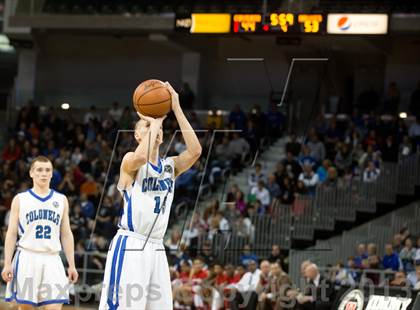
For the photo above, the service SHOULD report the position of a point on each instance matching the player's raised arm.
(186, 159)
(10, 242)
(67, 242)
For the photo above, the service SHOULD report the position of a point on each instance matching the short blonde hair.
(42, 159)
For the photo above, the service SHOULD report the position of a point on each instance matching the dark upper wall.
(86, 69)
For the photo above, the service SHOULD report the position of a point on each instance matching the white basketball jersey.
(147, 203)
(40, 221)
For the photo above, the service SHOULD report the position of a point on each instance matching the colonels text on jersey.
(40, 221)
(147, 203)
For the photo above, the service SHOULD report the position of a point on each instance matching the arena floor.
(9, 306)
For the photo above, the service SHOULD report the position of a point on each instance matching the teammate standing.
(39, 216)
(137, 271)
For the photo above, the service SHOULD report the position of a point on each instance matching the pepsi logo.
(344, 23)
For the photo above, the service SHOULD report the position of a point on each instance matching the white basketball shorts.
(38, 279)
(136, 274)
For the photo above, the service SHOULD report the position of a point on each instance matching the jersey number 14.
(157, 205)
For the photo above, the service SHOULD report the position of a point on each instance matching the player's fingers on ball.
(141, 115)
(145, 118)
(170, 88)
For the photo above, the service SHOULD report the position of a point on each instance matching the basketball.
(151, 98)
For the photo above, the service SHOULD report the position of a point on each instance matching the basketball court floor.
(9, 306)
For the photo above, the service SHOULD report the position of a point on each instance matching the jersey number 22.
(43, 232)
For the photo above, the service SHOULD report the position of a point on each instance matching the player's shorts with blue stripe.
(136, 274)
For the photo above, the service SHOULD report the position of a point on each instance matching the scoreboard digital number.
(278, 23)
(311, 22)
(282, 21)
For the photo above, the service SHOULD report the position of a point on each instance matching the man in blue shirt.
(238, 118)
(361, 255)
(247, 256)
(391, 259)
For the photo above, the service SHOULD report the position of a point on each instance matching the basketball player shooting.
(39, 216)
(137, 271)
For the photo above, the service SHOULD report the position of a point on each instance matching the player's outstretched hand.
(7, 273)
(152, 120)
(174, 96)
(73, 274)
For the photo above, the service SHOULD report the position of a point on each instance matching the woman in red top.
(221, 276)
(12, 151)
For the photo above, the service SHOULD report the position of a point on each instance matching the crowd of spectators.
(401, 259)
(260, 282)
(211, 285)
(335, 150)
(80, 144)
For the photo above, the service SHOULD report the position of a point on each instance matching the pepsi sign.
(357, 24)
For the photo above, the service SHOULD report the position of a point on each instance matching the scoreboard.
(284, 23)
(274, 23)
(278, 23)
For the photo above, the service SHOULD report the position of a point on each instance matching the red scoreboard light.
(246, 22)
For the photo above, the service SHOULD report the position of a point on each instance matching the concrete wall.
(94, 69)
(403, 66)
(84, 70)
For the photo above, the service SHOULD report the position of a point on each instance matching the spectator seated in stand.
(305, 158)
(371, 173)
(185, 181)
(238, 149)
(391, 260)
(256, 176)
(322, 170)
(400, 279)
(309, 178)
(261, 193)
(246, 287)
(414, 278)
(316, 148)
(361, 255)
(273, 188)
(407, 255)
(247, 256)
